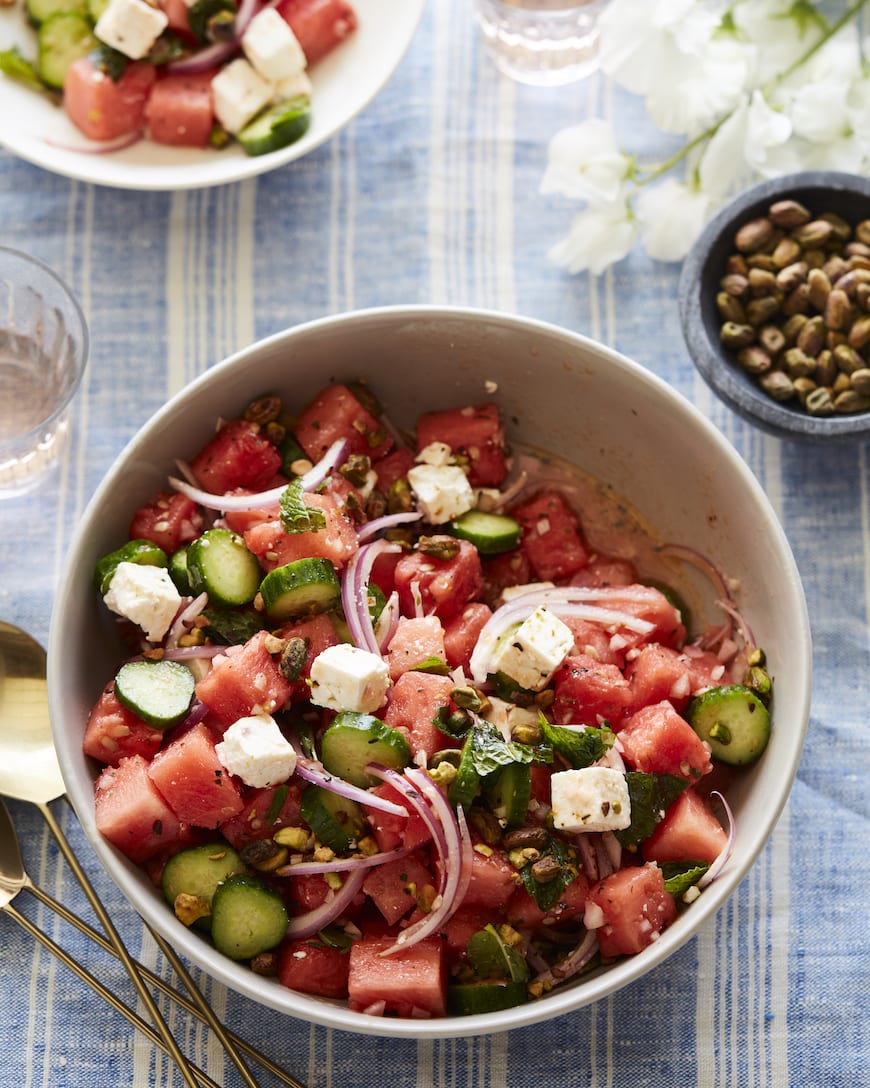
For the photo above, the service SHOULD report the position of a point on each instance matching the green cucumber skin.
(248, 917)
(305, 587)
(742, 713)
(220, 564)
(159, 692)
(491, 534)
(354, 740)
(199, 871)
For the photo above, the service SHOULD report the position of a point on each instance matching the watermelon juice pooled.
(414, 723)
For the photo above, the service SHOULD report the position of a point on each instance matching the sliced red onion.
(613, 849)
(97, 147)
(725, 853)
(388, 521)
(388, 622)
(341, 865)
(452, 866)
(575, 961)
(314, 773)
(705, 565)
(466, 857)
(588, 857)
(414, 798)
(192, 653)
(213, 55)
(602, 857)
(187, 612)
(306, 925)
(377, 1008)
(262, 499)
(355, 593)
(567, 602)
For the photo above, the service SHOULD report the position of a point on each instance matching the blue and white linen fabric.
(431, 196)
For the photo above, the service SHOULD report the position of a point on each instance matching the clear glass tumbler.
(545, 42)
(43, 351)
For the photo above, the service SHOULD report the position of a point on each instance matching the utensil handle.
(155, 980)
(199, 1078)
(124, 956)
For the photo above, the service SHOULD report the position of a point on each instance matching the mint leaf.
(681, 875)
(581, 748)
(548, 894)
(489, 749)
(651, 795)
(296, 517)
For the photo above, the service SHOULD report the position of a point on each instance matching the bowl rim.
(725, 378)
(240, 979)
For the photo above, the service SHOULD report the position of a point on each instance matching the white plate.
(344, 84)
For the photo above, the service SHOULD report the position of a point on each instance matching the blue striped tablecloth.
(431, 195)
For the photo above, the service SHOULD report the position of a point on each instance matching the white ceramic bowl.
(557, 390)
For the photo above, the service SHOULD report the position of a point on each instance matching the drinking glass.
(545, 42)
(43, 351)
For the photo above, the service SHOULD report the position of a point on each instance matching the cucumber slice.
(134, 551)
(247, 917)
(198, 871)
(354, 739)
(336, 821)
(220, 564)
(61, 40)
(733, 721)
(178, 571)
(160, 692)
(468, 998)
(277, 127)
(490, 533)
(40, 11)
(508, 791)
(305, 587)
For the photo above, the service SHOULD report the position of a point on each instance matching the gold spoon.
(29, 771)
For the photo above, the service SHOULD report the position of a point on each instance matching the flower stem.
(644, 175)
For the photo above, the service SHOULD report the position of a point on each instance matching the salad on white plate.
(168, 94)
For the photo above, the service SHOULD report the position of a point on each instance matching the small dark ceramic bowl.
(846, 194)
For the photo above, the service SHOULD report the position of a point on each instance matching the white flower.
(584, 161)
(599, 237)
(767, 132)
(699, 90)
(671, 216)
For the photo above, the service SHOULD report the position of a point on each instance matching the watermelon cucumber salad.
(392, 730)
(203, 74)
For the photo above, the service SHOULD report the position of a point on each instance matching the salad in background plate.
(218, 91)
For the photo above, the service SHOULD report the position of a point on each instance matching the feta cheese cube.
(590, 799)
(532, 653)
(256, 751)
(436, 453)
(240, 92)
(144, 595)
(272, 47)
(292, 87)
(345, 677)
(443, 491)
(131, 26)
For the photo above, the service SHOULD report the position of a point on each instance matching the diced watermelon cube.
(493, 879)
(409, 982)
(398, 887)
(605, 572)
(243, 680)
(104, 108)
(336, 541)
(319, 633)
(445, 585)
(238, 456)
(308, 891)
(131, 812)
(168, 520)
(461, 632)
(688, 832)
(461, 927)
(474, 433)
(180, 110)
(319, 25)
(265, 812)
(393, 467)
(392, 831)
(503, 571)
(656, 738)
(551, 537)
(190, 776)
(311, 967)
(636, 908)
(113, 732)
(414, 700)
(414, 642)
(335, 413)
(588, 692)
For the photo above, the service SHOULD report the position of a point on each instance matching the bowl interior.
(557, 391)
(845, 194)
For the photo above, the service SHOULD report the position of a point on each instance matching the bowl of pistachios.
(775, 305)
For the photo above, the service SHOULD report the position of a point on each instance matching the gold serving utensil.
(29, 771)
